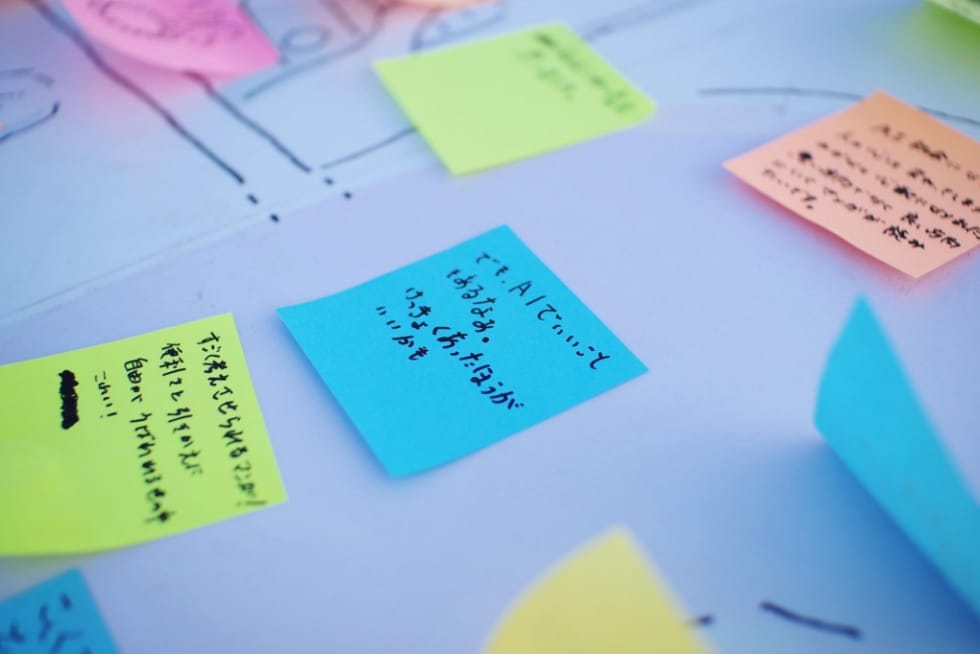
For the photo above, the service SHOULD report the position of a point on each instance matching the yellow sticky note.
(508, 97)
(604, 598)
(130, 441)
(884, 176)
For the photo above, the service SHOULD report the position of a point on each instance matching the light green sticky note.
(505, 98)
(966, 8)
(129, 441)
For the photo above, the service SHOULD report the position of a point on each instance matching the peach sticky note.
(882, 175)
(604, 598)
(206, 36)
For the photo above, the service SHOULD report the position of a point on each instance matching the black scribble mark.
(14, 634)
(69, 399)
(237, 114)
(825, 93)
(67, 29)
(328, 181)
(348, 195)
(702, 621)
(63, 638)
(274, 217)
(46, 623)
(37, 123)
(378, 13)
(839, 629)
(251, 198)
(374, 147)
(634, 17)
(436, 29)
(65, 601)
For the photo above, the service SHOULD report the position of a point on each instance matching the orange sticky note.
(886, 177)
(205, 36)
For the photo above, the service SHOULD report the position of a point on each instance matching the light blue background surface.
(55, 616)
(711, 458)
(419, 414)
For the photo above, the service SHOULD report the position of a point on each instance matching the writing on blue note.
(870, 415)
(457, 351)
(57, 616)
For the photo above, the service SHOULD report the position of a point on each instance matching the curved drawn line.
(826, 93)
(27, 128)
(357, 154)
(265, 134)
(840, 629)
(68, 30)
(433, 15)
(375, 27)
(27, 72)
(634, 17)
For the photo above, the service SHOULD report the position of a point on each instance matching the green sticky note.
(969, 9)
(505, 98)
(130, 441)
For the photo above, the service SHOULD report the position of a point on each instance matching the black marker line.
(236, 113)
(842, 630)
(373, 30)
(357, 154)
(825, 93)
(251, 198)
(68, 30)
(634, 17)
(27, 128)
(274, 217)
(702, 621)
(434, 15)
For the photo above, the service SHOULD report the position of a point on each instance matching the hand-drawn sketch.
(171, 159)
(27, 101)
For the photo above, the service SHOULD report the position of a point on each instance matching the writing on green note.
(132, 440)
(509, 97)
(571, 72)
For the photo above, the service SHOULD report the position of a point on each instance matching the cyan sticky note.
(58, 615)
(450, 354)
(869, 413)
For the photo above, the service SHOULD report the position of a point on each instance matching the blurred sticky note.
(130, 441)
(214, 37)
(604, 598)
(445, 4)
(966, 8)
(450, 354)
(58, 615)
(870, 415)
(508, 97)
(882, 175)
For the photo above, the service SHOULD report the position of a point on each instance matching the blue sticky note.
(58, 615)
(869, 413)
(450, 354)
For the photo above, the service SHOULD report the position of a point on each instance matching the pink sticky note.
(884, 176)
(207, 36)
